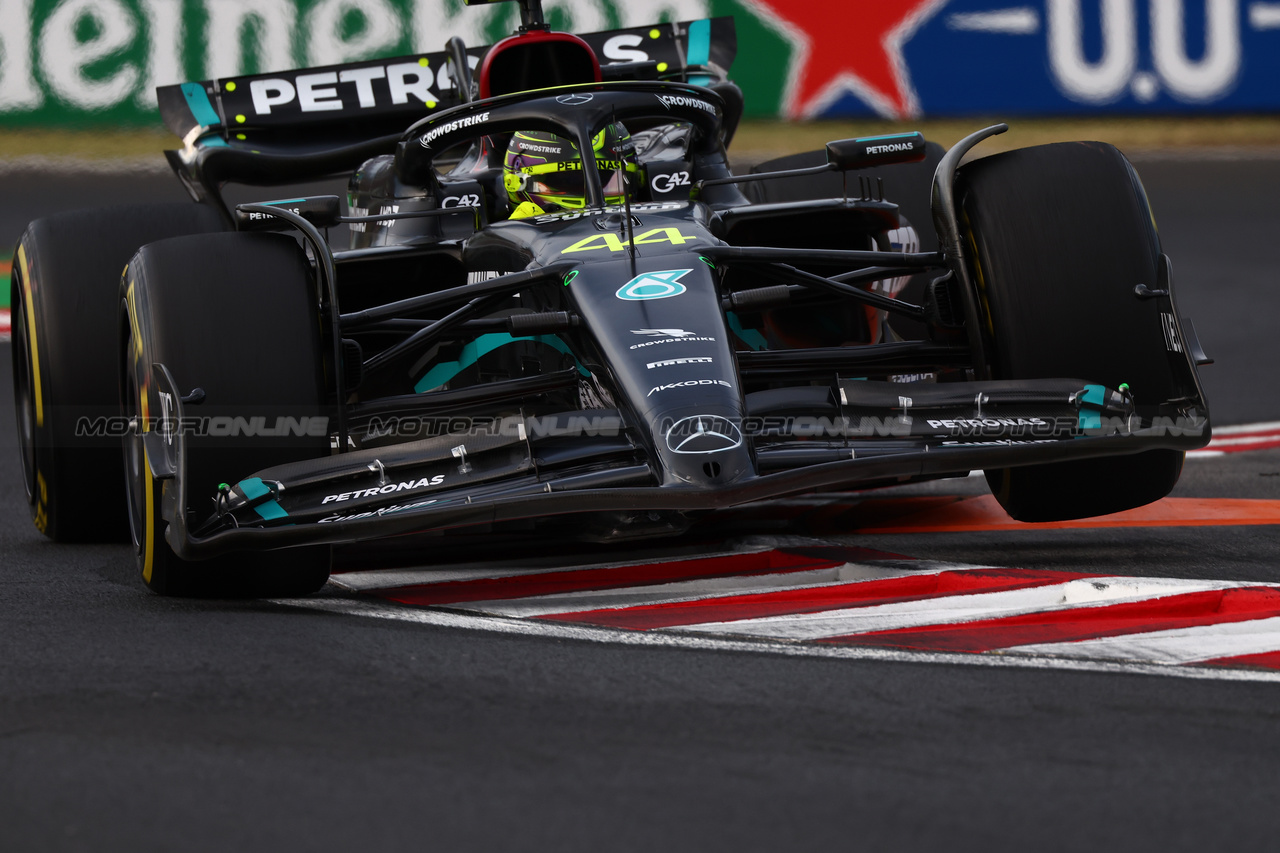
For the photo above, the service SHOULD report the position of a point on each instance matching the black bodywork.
(620, 362)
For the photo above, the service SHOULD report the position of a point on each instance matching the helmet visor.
(566, 179)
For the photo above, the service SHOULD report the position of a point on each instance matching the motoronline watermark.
(594, 425)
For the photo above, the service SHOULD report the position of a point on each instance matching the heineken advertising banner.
(96, 62)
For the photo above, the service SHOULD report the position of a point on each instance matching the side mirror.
(321, 211)
(862, 153)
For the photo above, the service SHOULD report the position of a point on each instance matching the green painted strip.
(477, 349)
(6, 269)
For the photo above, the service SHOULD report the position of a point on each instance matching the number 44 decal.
(614, 243)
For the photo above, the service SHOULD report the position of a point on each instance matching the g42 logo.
(614, 243)
(1105, 79)
(667, 183)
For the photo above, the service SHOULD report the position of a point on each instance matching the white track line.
(1174, 646)
(957, 608)
(651, 639)
(700, 588)
(1241, 429)
(375, 579)
(1242, 440)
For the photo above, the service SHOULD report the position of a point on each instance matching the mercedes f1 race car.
(559, 311)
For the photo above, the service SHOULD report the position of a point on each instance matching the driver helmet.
(542, 172)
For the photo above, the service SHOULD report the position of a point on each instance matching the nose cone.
(663, 332)
(703, 450)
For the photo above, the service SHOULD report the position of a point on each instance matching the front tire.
(235, 316)
(1059, 235)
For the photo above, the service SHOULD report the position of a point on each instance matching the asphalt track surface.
(129, 721)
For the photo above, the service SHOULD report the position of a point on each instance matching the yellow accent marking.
(653, 34)
(670, 235)
(148, 546)
(431, 105)
(424, 62)
(42, 503)
(613, 243)
(241, 136)
(240, 119)
(525, 210)
(662, 66)
(31, 330)
(133, 322)
(231, 85)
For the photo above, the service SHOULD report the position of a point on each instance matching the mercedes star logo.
(574, 100)
(703, 434)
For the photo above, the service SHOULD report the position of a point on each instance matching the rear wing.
(294, 125)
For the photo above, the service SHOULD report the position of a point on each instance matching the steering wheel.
(577, 112)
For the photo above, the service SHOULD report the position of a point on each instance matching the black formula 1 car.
(678, 340)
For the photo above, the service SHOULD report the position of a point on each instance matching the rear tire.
(65, 283)
(233, 315)
(1059, 235)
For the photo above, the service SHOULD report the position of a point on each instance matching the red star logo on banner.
(850, 45)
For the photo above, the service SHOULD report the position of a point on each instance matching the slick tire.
(233, 315)
(64, 287)
(1058, 236)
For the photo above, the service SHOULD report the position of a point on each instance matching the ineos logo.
(668, 183)
(575, 100)
(461, 201)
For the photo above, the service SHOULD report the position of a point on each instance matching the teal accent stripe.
(1093, 395)
(253, 488)
(750, 337)
(270, 511)
(889, 136)
(198, 103)
(699, 49)
(700, 42)
(480, 347)
(203, 112)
